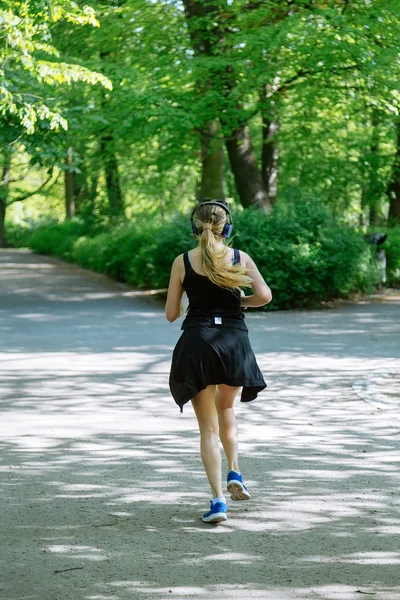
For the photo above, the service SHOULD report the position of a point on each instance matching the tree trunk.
(93, 183)
(212, 160)
(393, 190)
(212, 152)
(374, 189)
(373, 215)
(362, 217)
(207, 30)
(110, 164)
(3, 238)
(249, 183)
(394, 201)
(270, 155)
(80, 188)
(69, 186)
(4, 183)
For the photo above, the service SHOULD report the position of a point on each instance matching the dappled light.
(101, 476)
(169, 168)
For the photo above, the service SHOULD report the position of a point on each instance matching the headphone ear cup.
(227, 230)
(194, 228)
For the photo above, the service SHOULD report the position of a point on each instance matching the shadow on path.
(101, 483)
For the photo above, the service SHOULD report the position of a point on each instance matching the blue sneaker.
(216, 514)
(236, 487)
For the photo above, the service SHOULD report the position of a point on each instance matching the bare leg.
(224, 400)
(206, 413)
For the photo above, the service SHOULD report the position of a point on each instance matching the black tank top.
(209, 304)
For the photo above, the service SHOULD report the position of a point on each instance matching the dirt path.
(101, 482)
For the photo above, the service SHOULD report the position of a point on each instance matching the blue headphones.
(227, 230)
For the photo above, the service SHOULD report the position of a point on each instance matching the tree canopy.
(261, 102)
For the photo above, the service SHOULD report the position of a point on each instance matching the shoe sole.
(237, 491)
(217, 518)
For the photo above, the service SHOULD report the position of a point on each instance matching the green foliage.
(56, 239)
(19, 236)
(392, 248)
(140, 253)
(327, 73)
(303, 254)
(25, 29)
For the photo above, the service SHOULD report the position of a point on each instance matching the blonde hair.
(210, 220)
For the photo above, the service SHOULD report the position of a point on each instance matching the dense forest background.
(123, 113)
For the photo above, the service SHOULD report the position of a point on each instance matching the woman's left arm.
(173, 306)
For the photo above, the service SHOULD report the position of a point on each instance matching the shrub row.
(303, 254)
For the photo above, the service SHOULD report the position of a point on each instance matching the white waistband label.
(218, 320)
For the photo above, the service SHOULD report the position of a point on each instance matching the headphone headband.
(216, 203)
(227, 230)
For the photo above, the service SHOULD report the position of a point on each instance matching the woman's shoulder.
(178, 267)
(179, 260)
(178, 264)
(180, 256)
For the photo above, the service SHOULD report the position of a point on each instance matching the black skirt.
(211, 355)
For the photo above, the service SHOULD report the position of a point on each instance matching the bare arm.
(262, 293)
(173, 306)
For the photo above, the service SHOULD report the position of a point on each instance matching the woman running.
(213, 358)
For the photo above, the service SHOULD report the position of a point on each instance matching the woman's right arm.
(262, 294)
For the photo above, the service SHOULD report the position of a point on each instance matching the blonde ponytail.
(210, 221)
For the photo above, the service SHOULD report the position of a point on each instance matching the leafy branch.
(38, 189)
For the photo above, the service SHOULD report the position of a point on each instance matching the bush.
(18, 236)
(55, 238)
(151, 266)
(141, 254)
(303, 254)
